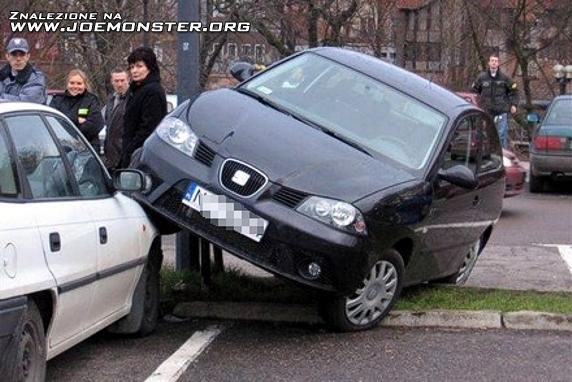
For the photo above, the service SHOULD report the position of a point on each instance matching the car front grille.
(204, 154)
(256, 179)
(289, 197)
(266, 252)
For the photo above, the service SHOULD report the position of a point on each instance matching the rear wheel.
(372, 300)
(466, 268)
(26, 355)
(535, 183)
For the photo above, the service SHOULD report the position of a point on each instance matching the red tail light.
(547, 142)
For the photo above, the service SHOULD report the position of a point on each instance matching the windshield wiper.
(331, 133)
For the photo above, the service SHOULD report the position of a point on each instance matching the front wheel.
(26, 355)
(372, 300)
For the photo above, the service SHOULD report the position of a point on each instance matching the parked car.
(551, 148)
(333, 169)
(515, 174)
(76, 256)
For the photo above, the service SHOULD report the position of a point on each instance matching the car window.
(353, 105)
(39, 157)
(463, 148)
(491, 151)
(560, 113)
(8, 186)
(86, 169)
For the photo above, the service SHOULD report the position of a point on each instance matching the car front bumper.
(291, 242)
(515, 177)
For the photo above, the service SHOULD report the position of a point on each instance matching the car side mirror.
(131, 180)
(533, 117)
(459, 175)
(242, 71)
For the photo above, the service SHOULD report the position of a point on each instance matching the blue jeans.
(501, 122)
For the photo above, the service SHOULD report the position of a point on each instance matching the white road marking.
(565, 252)
(174, 366)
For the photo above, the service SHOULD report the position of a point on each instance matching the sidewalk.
(290, 313)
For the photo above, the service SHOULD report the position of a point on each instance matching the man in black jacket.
(146, 102)
(114, 116)
(499, 95)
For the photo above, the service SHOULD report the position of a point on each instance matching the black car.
(333, 169)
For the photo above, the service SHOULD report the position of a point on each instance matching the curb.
(289, 313)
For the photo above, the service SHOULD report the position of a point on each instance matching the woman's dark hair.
(146, 55)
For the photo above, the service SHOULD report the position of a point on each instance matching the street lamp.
(563, 75)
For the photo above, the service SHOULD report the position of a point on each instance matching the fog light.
(314, 270)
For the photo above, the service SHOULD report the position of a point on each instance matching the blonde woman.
(81, 106)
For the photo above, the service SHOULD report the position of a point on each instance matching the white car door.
(65, 225)
(22, 266)
(119, 225)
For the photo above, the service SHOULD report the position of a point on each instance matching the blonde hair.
(80, 73)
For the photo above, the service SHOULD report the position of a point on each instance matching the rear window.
(560, 113)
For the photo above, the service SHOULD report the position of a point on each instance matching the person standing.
(499, 95)
(81, 106)
(146, 103)
(114, 115)
(20, 80)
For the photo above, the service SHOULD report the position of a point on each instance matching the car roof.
(12, 106)
(563, 96)
(424, 90)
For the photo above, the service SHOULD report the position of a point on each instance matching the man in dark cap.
(19, 80)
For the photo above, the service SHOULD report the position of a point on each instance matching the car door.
(65, 226)
(450, 228)
(22, 266)
(491, 173)
(118, 225)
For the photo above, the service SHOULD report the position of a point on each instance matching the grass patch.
(448, 297)
(232, 285)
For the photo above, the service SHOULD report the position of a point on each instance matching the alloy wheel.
(374, 296)
(468, 263)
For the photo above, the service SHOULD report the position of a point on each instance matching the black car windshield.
(560, 113)
(352, 105)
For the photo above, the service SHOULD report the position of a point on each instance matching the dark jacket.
(146, 107)
(114, 122)
(28, 85)
(497, 93)
(85, 105)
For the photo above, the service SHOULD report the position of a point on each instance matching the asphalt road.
(256, 351)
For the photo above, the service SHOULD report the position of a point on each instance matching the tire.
(26, 355)
(535, 183)
(371, 301)
(466, 268)
(144, 315)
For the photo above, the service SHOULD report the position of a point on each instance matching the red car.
(515, 174)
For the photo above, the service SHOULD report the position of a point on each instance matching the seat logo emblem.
(240, 177)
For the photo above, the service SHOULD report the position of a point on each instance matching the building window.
(231, 50)
(259, 52)
(246, 50)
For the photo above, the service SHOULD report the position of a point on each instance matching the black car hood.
(287, 150)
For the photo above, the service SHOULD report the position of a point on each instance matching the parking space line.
(565, 252)
(174, 366)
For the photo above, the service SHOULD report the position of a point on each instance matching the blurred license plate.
(224, 212)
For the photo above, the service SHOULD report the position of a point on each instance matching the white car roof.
(11, 106)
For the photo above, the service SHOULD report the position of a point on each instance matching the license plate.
(224, 212)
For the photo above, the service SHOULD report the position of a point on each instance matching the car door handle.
(102, 235)
(476, 201)
(55, 242)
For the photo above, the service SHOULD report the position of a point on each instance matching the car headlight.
(338, 214)
(506, 162)
(178, 134)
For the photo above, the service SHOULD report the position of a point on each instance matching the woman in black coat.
(146, 102)
(81, 106)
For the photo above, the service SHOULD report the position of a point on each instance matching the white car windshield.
(354, 106)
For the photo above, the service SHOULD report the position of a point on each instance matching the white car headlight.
(178, 134)
(338, 214)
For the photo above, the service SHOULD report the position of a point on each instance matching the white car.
(76, 255)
